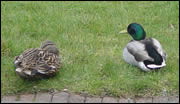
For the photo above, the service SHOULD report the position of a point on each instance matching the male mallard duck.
(40, 62)
(145, 53)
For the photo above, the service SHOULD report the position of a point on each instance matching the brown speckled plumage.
(40, 62)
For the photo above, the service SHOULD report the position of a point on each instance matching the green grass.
(87, 35)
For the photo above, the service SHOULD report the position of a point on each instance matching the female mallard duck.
(36, 63)
(147, 54)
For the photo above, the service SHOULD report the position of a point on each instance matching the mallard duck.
(145, 53)
(35, 63)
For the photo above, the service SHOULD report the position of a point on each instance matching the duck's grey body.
(37, 62)
(136, 53)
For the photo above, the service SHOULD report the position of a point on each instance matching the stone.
(43, 98)
(9, 98)
(16, 102)
(129, 100)
(173, 99)
(61, 97)
(27, 97)
(160, 99)
(144, 100)
(122, 100)
(109, 100)
(76, 99)
(93, 100)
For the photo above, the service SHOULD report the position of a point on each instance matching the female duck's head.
(136, 31)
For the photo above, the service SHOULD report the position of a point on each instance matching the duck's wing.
(26, 57)
(154, 50)
(137, 49)
(47, 63)
(149, 51)
(159, 48)
(24, 61)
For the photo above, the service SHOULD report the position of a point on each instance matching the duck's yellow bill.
(123, 32)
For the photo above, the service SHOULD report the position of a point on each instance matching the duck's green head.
(136, 31)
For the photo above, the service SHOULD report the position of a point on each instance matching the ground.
(87, 36)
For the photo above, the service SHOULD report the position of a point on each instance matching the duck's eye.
(132, 31)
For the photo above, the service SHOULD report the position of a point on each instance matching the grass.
(87, 35)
